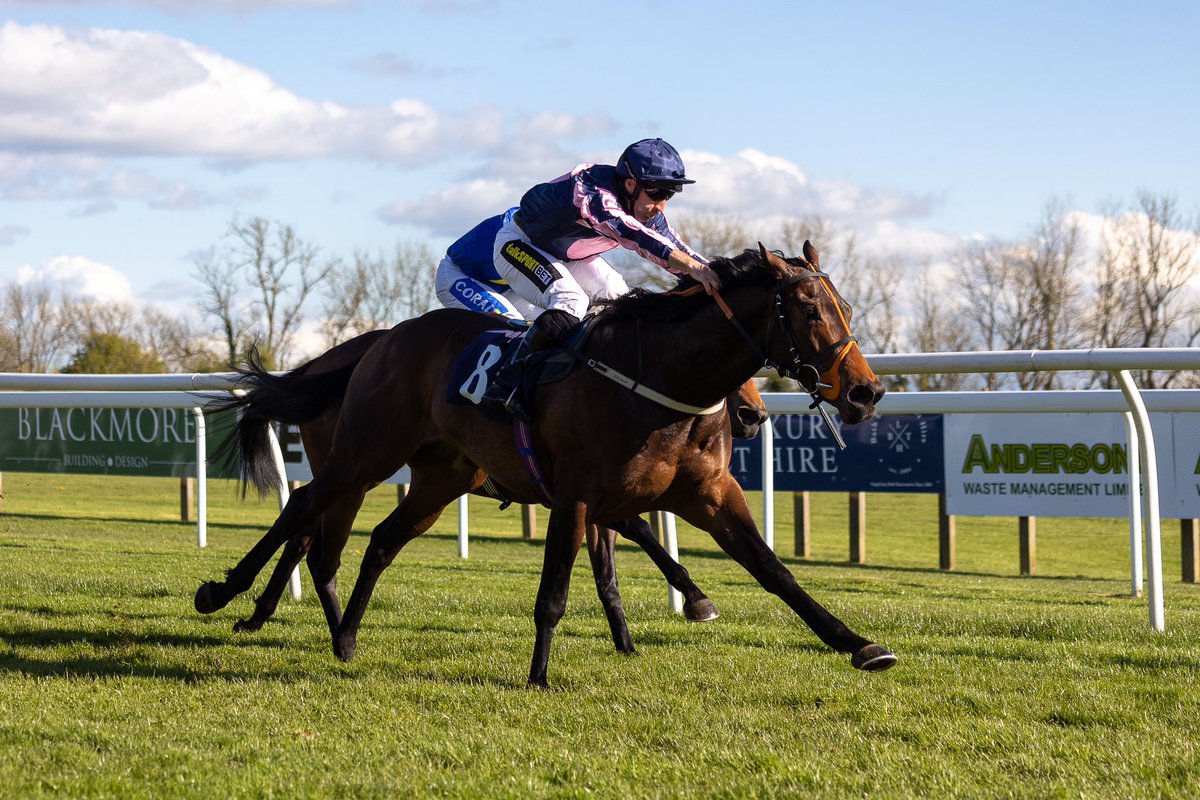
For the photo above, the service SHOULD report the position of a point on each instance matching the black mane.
(744, 268)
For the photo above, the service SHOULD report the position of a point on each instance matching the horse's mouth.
(852, 414)
(860, 403)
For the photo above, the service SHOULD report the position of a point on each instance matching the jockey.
(548, 251)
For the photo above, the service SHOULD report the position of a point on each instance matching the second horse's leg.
(696, 605)
(601, 552)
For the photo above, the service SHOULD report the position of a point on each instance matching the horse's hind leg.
(600, 549)
(266, 603)
(733, 528)
(433, 488)
(323, 542)
(696, 605)
(326, 555)
(215, 595)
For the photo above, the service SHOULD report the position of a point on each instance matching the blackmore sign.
(105, 441)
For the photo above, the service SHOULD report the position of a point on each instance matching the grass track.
(111, 685)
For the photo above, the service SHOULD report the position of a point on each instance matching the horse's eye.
(811, 312)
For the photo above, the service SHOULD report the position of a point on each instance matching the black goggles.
(658, 193)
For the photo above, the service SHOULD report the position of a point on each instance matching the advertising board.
(891, 453)
(1059, 465)
(107, 441)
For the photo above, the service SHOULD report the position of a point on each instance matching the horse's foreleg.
(696, 605)
(721, 510)
(604, 570)
(215, 595)
(563, 536)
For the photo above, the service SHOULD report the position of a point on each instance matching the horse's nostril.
(751, 416)
(866, 395)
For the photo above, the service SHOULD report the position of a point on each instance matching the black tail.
(294, 398)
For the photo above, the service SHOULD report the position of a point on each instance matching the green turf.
(112, 685)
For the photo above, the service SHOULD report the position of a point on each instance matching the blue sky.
(131, 133)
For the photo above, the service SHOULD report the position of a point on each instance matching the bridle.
(821, 379)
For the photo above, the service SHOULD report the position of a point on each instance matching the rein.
(816, 379)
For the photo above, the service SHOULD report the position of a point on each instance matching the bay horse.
(324, 541)
(608, 453)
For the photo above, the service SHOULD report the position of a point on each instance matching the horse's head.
(817, 348)
(747, 412)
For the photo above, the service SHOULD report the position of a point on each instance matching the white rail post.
(1150, 498)
(674, 596)
(201, 479)
(462, 527)
(768, 481)
(284, 494)
(1135, 506)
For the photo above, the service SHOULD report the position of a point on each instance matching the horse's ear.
(811, 255)
(777, 264)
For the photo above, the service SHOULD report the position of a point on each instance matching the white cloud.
(758, 184)
(753, 185)
(98, 184)
(917, 245)
(454, 210)
(551, 126)
(81, 278)
(112, 92)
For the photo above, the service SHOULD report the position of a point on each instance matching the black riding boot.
(545, 332)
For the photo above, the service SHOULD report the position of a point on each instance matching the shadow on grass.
(116, 654)
(163, 523)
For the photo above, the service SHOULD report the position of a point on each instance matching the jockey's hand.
(706, 276)
(701, 273)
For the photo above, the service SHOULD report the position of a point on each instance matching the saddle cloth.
(476, 366)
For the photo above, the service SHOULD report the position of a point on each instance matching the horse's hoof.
(702, 610)
(873, 658)
(246, 626)
(344, 647)
(205, 603)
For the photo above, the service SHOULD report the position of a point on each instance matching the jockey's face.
(643, 206)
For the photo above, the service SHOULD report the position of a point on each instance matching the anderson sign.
(1064, 465)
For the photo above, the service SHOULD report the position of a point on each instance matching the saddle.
(476, 366)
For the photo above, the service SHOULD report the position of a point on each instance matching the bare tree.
(91, 318)
(256, 286)
(871, 284)
(1024, 295)
(35, 328)
(1149, 259)
(1046, 304)
(376, 292)
(220, 301)
(937, 326)
(180, 347)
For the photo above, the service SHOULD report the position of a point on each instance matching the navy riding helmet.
(653, 162)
